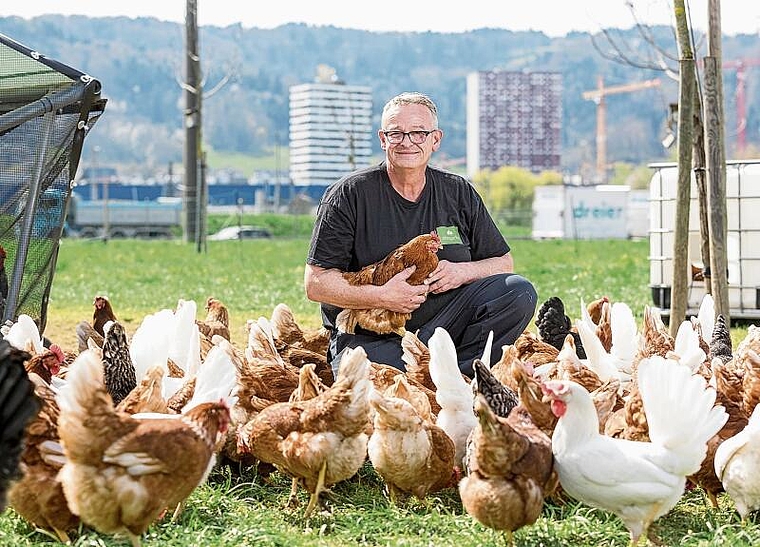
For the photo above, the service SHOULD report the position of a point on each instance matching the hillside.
(140, 64)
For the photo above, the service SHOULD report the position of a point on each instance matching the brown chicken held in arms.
(18, 406)
(102, 314)
(511, 470)
(420, 252)
(122, 473)
(38, 497)
(323, 440)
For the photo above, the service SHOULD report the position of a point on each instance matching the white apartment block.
(330, 131)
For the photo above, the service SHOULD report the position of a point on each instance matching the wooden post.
(716, 162)
(192, 120)
(681, 271)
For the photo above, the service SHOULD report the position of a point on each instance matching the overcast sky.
(553, 17)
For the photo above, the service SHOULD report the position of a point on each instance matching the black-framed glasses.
(415, 137)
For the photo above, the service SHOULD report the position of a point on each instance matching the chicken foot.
(317, 489)
(293, 497)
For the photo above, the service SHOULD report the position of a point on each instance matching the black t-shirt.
(361, 219)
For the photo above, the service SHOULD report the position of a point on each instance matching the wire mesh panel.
(46, 109)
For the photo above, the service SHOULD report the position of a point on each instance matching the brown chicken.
(321, 441)
(420, 252)
(655, 338)
(530, 348)
(217, 319)
(384, 376)
(288, 332)
(518, 376)
(102, 314)
(411, 454)
(147, 396)
(416, 356)
(18, 406)
(46, 364)
(728, 395)
(38, 497)
(121, 473)
(511, 470)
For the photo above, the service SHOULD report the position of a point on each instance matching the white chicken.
(737, 465)
(453, 393)
(617, 363)
(637, 481)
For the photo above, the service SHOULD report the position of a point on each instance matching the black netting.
(46, 110)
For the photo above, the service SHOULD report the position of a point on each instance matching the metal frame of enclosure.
(46, 110)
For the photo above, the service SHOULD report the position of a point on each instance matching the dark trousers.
(502, 303)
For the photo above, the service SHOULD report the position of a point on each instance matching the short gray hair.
(412, 97)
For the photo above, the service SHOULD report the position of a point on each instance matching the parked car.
(240, 232)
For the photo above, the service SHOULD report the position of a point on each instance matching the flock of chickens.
(619, 416)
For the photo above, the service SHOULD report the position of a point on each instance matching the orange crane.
(598, 96)
(741, 66)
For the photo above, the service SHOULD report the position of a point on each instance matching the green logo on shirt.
(449, 235)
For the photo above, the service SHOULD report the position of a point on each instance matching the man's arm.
(450, 275)
(328, 286)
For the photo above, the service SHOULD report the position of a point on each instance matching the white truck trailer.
(124, 218)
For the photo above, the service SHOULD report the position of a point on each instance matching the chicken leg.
(317, 489)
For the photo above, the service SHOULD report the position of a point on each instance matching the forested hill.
(140, 63)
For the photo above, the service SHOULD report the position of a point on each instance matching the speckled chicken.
(511, 470)
(420, 252)
(720, 342)
(553, 325)
(411, 454)
(120, 376)
(18, 406)
(321, 441)
(499, 397)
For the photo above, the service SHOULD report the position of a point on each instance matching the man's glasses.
(397, 137)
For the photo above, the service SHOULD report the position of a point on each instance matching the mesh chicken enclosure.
(46, 110)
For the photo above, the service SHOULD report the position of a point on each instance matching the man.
(372, 211)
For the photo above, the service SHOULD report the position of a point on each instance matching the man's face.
(406, 154)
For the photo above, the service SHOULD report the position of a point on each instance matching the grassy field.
(251, 277)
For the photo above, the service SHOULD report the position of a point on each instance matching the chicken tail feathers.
(84, 402)
(680, 409)
(346, 321)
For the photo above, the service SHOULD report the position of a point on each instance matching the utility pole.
(192, 118)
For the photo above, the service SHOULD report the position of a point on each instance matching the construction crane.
(741, 65)
(598, 96)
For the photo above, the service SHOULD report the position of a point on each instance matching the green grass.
(251, 277)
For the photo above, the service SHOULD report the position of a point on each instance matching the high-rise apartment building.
(330, 130)
(514, 119)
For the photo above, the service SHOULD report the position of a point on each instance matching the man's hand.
(400, 296)
(447, 276)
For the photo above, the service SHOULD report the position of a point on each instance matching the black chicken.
(720, 344)
(18, 406)
(553, 326)
(118, 368)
